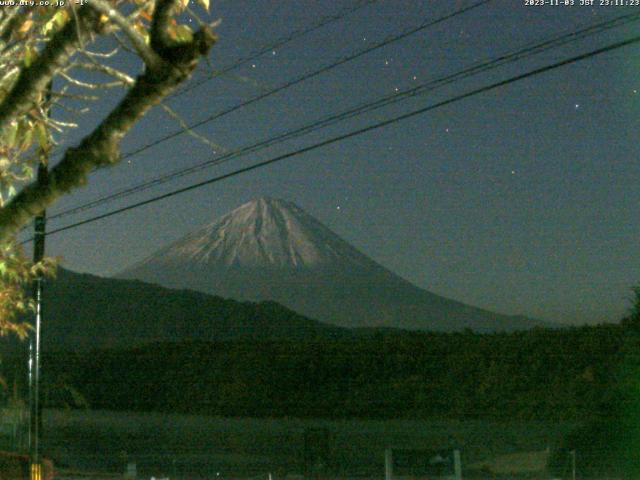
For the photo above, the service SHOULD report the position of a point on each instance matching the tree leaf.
(184, 34)
(28, 56)
(10, 134)
(26, 26)
(42, 136)
(26, 137)
(61, 17)
(56, 22)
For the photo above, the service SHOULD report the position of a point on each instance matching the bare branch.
(9, 73)
(123, 44)
(196, 17)
(190, 131)
(75, 18)
(74, 96)
(33, 80)
(73, 111)
(101, 147)
(147, 54)
(100, 54)
(59, 125)
(107, 70)
(91, 86)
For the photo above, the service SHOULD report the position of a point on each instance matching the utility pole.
(35, 409)
(573, 464)
(34, 346)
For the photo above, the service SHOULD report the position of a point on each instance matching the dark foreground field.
(184, 446)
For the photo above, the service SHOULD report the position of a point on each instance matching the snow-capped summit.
(270, 249)
(263, 233)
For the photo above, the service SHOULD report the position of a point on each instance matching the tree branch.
(159, 24)
(106, 70)
(147, 54)
(34, 79)
(101, 147)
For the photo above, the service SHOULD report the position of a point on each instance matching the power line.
(375, 126)
(364, 108)
(307, 76)
(277, 44)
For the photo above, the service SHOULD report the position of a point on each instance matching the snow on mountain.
(263, 233)
(270, 249)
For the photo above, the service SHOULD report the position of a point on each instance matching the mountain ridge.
(85, 312)
(275, 223)
(271, 249)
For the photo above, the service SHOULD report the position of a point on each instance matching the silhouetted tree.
(42, 51)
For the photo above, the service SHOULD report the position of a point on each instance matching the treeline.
(538, 374)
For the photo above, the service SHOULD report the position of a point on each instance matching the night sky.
(521, 200)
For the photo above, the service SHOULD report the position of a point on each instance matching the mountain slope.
(265, 233)
(86, 312)
(270, 249)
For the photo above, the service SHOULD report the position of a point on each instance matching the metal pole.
(35, 410)
(573, 464)
(457, 465)
(34, 347)
(388, 464)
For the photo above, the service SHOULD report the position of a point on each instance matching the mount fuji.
(270, 249)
